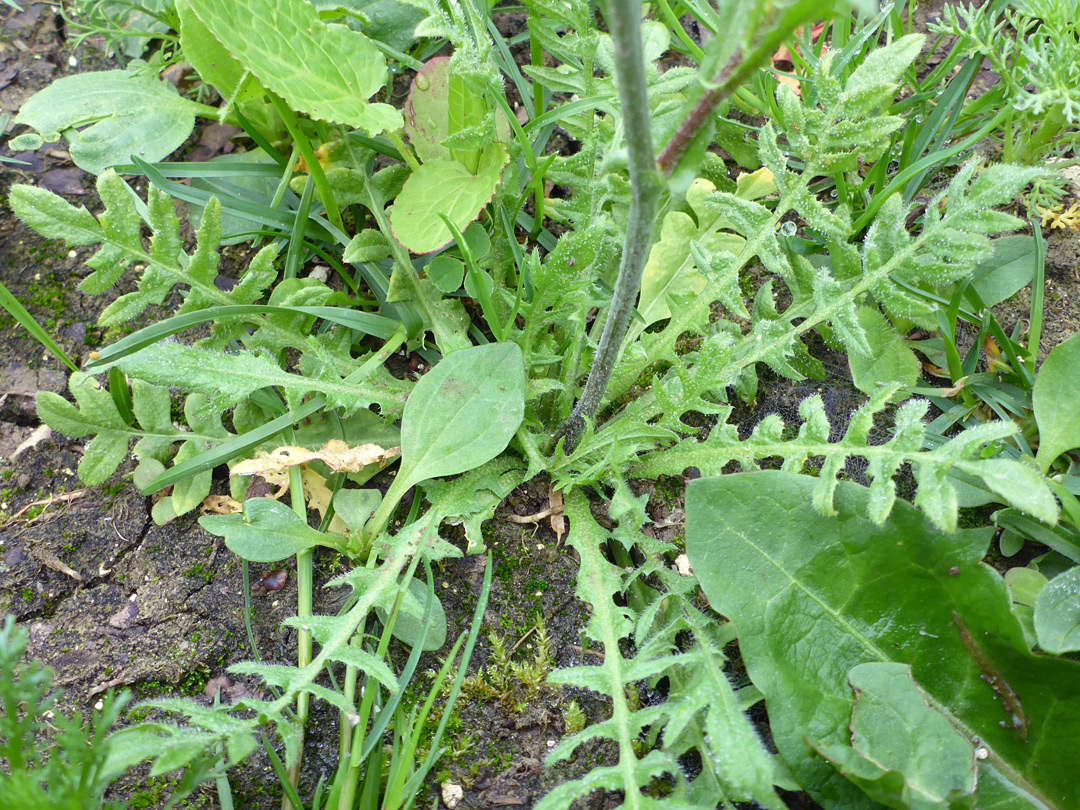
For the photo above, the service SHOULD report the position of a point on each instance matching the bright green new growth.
(73, 773)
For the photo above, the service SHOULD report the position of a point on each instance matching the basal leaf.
(268, 531)
(326, 71)
(811, 597)
(95, 415)
(903, 752)
(123, 114)
(1056, 400)
(470, 499)
(463, 412)
(54, 217)
(444, 187)
(1057, 613)
(230, 378)
(889, 359)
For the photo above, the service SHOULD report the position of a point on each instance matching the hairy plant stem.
(646, 185)
(303, 609)
(768, 34)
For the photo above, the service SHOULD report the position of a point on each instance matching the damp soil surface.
(113, 601)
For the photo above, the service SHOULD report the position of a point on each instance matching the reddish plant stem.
(680, 141)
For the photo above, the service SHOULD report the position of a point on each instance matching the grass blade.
(26, 320)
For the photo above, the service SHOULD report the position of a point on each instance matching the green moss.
(46, 296)
(200, 570)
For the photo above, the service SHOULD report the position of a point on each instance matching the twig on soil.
(595, 653)
(521, 640)
(213, 554)
(56, 564)
(65, 497)
(120, 680)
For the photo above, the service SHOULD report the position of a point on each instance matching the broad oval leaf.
(409, 627)
(811, 597)
(1011, 268)
(325, 71)
(123, 114)
(268, 531)
(463, 412)
(1057, 613)
(1056, 400)
(444, 187)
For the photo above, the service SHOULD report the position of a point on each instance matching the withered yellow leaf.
(335, 453)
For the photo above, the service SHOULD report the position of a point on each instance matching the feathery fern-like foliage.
(729, 747)
(1015, 482)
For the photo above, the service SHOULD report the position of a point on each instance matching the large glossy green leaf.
(268, 531)
(812, 596)
(462, 413)
(1057, 613)
(326, 71)
(444, 187)
(1056, 399)
(903, 752)
(123, 114)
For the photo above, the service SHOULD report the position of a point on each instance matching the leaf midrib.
(1004, 766)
